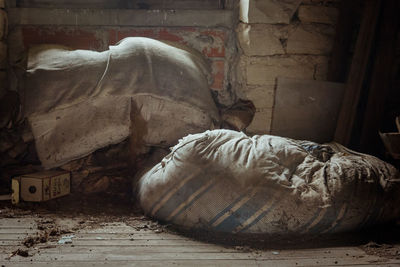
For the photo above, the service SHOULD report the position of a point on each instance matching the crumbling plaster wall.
(287, 38)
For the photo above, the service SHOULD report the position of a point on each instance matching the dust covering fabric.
(226, 181)
(78, 101)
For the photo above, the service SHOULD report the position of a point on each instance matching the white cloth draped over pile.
(78, 101)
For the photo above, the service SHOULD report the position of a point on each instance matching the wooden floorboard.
(119, 244)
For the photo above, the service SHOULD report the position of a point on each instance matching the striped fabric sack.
(226, 181)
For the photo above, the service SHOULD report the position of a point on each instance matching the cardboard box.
(41, 186)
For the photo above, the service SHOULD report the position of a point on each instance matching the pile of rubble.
(17, 152)
(104, 171)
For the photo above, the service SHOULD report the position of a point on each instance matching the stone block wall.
(288, 38)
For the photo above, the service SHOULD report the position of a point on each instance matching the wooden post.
(341, 47)
(382, 76)
(358, 70)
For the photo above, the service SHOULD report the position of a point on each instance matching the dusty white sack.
(78, 101)
(225, 181)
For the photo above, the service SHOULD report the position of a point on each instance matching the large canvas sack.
(226, 181)
(78, 101)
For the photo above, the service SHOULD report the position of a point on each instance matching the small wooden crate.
(41, 186)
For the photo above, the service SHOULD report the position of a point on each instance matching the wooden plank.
(127, 241)
(358, 72)
(222, 263)
(132, 249)
(92, 256)
(17, 231)
(238, 263)
(337, 69)
(183, 263)
(391, 142)
(17, 223)
(145, 242)
(120, 17)
(260, 254)
(33, 226)
(382, 77)
(117, 246)
(116, 241)
(306, 109)
(135, 4)
(195, 260)
(102, 236)
(26, 222)
(135, 235)
(5, 243)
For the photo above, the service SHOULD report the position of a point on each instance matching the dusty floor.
(108, 231)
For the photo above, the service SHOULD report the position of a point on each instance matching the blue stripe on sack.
(243, 213)
(262, 215)
(229, 207)
(326, 221)
(193, 200)
(339, 222)
(377, 209)
(181, 195)
(309, 222)
(371, 204)
(331, 216)
(350, 198)
(165, 194)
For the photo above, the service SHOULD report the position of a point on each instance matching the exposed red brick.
(157, 33)
(167, 35)
(215, 33)
(218, 50)
(179, 35)
(189, 29)
(72, 37)
(218, 73)
(214, 51)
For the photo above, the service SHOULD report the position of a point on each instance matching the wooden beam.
(358, 70)
(382, 76)
(337, 69)
(120, 17)
(115, 4)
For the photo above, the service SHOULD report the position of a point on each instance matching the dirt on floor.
(67, 215)
(101, 186)
(102, 193)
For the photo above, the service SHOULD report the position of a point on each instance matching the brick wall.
(208, 31)
(288, 38)
(210, 42)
